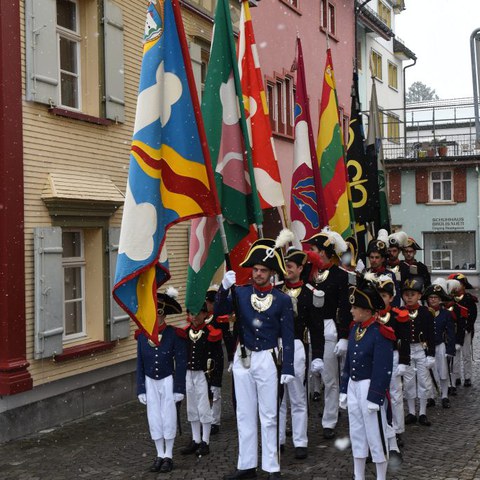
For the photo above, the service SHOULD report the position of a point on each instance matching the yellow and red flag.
(330, 153)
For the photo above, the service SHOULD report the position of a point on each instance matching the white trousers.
(297, 395)
(417, 382)
(161, 411)
(217, 406)
(467, 355)
(256, 394)
(440, 371)
(365, 428)
(396, 398)
(198, 404)
(330, 376)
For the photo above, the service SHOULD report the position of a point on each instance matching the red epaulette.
(463, 311)
(402, 315)
(214, 334)
(137, 334)
(223, 319)
(387, 332)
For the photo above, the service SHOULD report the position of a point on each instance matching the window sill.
(63, 112)
(441, 202)
(330, 34)
(292, 7)
(84, 350)
(283, 136)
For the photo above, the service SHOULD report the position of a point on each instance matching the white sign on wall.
(448, 223)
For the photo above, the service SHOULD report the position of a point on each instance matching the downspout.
(475, 75)
(405, 108)
(478, 218)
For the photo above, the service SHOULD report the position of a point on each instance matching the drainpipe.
(405, 109)
(475, 76)
(478, 216)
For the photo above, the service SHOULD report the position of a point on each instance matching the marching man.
(161, 368)
(265, 316)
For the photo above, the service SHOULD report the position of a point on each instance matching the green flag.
(227, 136)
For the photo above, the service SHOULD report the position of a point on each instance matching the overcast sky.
(438, 31)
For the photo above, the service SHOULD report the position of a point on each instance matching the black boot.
(202, 450)
(167, 465)
(445, 403)
(430, 402)
(423, 420)
(241, 474)
(192, 447)
(467, 383)
(157, 465)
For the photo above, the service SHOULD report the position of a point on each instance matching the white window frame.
(74, 36)
(442, 252)
(442, 194)
(75, 262)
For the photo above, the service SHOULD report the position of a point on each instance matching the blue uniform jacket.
(261, 330)
(371, 357)
(158, 362)
(445, 330)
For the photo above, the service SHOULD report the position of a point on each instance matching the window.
(73, 263)
(281, 103)
(327, 17)
(376, 65)
(74, 57)
(441, 186)
(393, 128)
(209, 7)
(392, 76)
(359, 55)
(344, 124)
(385, 14)
(450, 250)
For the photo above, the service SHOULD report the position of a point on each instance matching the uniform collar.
(294, 285)
(266, 288)
(162, 327)
(384, 312)
(367, 323)
(412, 309)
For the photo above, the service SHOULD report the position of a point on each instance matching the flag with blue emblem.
(170, 177)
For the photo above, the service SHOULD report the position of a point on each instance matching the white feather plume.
(172, 292)
(370, 277)
(339, 244)
(383, 235)
(399, 238)
(452, 285)
(384, 278)
(442, 282)
(284, 237)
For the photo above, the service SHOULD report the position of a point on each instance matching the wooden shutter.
(119, 321)
(114, 65)
(421, 185)
(48, 292)
(460, 184)
(41, 51)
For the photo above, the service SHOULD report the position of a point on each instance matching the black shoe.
(430, 402)
(167, 465)
(423, 420)
(399, 440)
(467, 383)
(202, 450)
(215, 429)
(316, 397)
(282, 448)
(192, 447)
(301, 453)
(452, 391)
(274, 475)
(410, 419)
(445, 403)
(458, 382)
(328, 433)
(239, 474)
(395, 459)
(157, 464)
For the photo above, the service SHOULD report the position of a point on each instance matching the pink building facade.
(276, 24)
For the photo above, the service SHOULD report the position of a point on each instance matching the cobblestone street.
(116, 444)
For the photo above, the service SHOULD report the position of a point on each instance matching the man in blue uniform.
(265, 317)
(366, 377)
(161, 368)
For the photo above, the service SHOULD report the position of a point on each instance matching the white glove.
(458, 347)
(142, 398)
(341, 347)
(372, 407)
(342, 401)
(317, 365)
(229, 279)
(401, 369)
(429, 362)
(360, 266)
(286, 379)
(230, 367)
(216, 393)
(178, 397)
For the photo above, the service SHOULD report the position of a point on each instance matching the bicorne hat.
(366, 295)
(461, 278)
(167, 303)
(413, 282)
(263, 252)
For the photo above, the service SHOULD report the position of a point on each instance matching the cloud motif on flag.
(136, 236)
(155, 102)
(229, 100)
